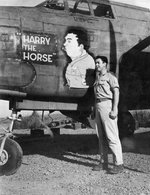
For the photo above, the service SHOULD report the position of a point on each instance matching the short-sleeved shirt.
(104, 85)
(77, 70)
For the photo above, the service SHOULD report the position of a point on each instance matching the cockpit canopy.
(85, 7)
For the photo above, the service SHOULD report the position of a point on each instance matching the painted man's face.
(72, 47)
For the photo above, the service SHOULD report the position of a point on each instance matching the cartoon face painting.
(82, 62)
(72, 47)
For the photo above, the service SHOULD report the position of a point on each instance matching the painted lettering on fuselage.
(36, 39)
(38, 48)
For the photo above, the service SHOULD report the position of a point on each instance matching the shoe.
(117, 169)
(100, 167)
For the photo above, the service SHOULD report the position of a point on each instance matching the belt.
(102, 100)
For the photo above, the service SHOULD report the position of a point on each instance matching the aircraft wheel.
(11, 157)
(126, 124)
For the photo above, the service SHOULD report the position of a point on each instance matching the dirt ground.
(63, 166)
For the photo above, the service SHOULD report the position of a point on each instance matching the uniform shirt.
(76, 71)
(104, 85)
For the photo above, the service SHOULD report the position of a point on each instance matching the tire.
(11, 157)
(126, 124)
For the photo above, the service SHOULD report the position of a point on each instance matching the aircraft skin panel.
(8, 22)
(29, 24)
(134, 27)
(132, 13)
(32, 13)
(45, 29)
(14, 74)
(11, 13)
(3, 14)
(9, 42)
(124, 42)
(50, 83)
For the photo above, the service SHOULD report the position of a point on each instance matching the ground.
(63, 166)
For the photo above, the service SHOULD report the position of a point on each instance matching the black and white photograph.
(75, 97)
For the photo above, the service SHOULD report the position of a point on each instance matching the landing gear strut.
(10, 151)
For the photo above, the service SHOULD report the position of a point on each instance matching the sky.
(143, 3)
(4, 107)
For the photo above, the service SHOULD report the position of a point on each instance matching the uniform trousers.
(107, 131)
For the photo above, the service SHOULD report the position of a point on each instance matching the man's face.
(100, 65)
(72, 47)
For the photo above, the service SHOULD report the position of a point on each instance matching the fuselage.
(32, 59)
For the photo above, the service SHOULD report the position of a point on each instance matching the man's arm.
(114, 112)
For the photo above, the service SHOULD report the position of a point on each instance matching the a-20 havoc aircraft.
(33, 62)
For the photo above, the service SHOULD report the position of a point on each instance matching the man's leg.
(111, 130)
(102, 143)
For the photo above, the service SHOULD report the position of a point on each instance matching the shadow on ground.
(76, 146)
(139, 143)
(62, 146)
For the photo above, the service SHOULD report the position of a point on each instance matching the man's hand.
(113, 114)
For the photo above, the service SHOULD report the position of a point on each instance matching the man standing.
(79, 71)
(106, 90)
